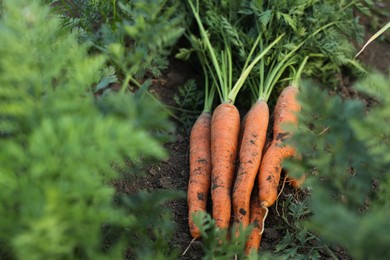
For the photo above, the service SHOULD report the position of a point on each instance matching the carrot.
(200, 157)
(257, 218)
(271, 164)
(200, 169)
(225, 127)
(267, 144)
(296, 183)
(252, 144)
(242, 130)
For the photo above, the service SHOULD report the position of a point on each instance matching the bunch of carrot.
(228, 155)
(213, 150)
(217, 139)
(213, 156)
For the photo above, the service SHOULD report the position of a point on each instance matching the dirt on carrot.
(257, 218)
(200, 169)
(225, 128)
(271, 165)
(251, 147)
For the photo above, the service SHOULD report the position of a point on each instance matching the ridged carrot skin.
(200, 169)
(257, 216)
(271, 165)
(252, 144)
(225, 128)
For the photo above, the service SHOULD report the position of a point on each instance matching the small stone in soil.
(152, 171)
(165, 182)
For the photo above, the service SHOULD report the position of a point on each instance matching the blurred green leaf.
(344, 146)
(59, 145)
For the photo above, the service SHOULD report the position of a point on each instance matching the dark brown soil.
(173, 173)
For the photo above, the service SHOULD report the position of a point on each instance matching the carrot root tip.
(263, 221)
(264, 204)
(188, 247)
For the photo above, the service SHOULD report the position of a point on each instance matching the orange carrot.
(267, 144)
(271, 164)
(253, 139)
(257, 217)
(225, 128)
(200, 169)
(296, 183)
(242, 129)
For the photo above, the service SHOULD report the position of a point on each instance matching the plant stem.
(208, 93)
(297, 78)
(261, 87)
(114, 9)
(252, 50)
(208, 46)
(125, 83)
(276, 72)
(233, 93)
(165, 107)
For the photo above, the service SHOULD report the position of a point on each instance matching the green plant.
(189, 103)
(136, 36)
(319, 30)
(59, 143)
(298, 242)
(344, 147)
(216, 242)
(149, 237)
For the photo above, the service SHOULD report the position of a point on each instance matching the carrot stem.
(297, 78)
(209, 47)
(233, 93)
(252, 51)
(261, 85)
(208, 93)
(224, 71)
(281, 66)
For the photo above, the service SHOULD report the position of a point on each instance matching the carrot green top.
(222, 72)
(239, 37)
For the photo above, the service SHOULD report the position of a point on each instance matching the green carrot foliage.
(344, 147)
(59, 144)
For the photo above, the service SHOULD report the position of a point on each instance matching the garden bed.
(173, 173)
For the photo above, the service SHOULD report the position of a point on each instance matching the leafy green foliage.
(218, 243)
(148, 239)
(58, 144)
(135, 35)
(321, 31)
(344, 149)
(299, 242)
(189, 101)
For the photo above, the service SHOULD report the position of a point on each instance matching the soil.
(172, 173)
